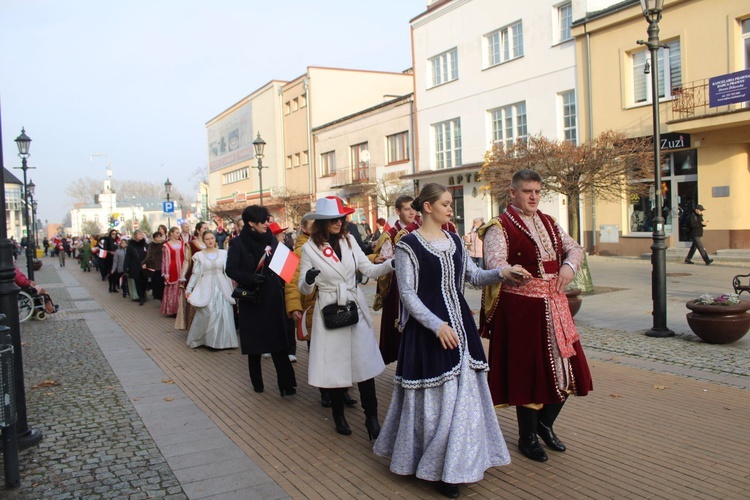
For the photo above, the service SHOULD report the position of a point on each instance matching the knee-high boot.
(337, 408)
(547, 416)
(370, 405)
(528, 444)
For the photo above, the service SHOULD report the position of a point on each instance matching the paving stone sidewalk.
(95, 444)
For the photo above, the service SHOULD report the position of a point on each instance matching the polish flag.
(389, 223)
(284, 262)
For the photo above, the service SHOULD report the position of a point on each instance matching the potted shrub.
(719, 319)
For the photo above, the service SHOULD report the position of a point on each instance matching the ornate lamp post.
(167, 189)
(259, 145)
(652, 10)
(34, 226)
(23, 142)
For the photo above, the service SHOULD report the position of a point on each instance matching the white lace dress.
(211, 295)
(450, 432)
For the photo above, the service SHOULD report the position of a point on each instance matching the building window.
(444, 67)
(236, 175)
(305, 157)
(670, 73)
(303, 100)
(289, 161)
(398, 147)
(295, 104)
(570, 130)
(296, 160)
(328, 164)
(504, 44)
(564, 21)
(83, 220)
(287, 107)
(360, 158)
(509, 124)
(447, 144)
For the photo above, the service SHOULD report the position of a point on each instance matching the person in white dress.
(441, 425)
(210, 292)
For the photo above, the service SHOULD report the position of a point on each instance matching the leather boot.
(337, 408)
(370, 405)
(528, 444)
(547, 416)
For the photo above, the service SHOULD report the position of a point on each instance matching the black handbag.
(252, 293)
(336, 316)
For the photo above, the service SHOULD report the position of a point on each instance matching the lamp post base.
(29, 438)
(659, 332)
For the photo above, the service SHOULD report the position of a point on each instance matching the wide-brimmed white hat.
(330, 207)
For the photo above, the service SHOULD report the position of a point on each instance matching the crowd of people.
(441, 424)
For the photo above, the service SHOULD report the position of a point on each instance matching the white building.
(15, 224)
(365, 153)
(484, 72)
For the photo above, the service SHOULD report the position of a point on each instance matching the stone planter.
(574, 300)
(719, 324)
(36, 264)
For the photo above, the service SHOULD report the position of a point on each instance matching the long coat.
(263, 326)
(344, 356)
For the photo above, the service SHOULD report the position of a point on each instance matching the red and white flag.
(284, 262)
(390, 223)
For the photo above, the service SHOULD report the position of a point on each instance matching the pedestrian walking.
(173, 256)
(118, 266)
(341, 356)
(151, 265)
(262, 320)
(474, 242)
(210, 292)
(137, 279)
(105, 252)
(441, 425)
(85, 254)
(696, 225)
(536, 359)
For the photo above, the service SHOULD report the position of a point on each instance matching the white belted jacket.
(344, 356)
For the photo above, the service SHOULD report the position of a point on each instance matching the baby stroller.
(31, 303)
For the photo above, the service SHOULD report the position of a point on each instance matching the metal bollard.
(8, 413)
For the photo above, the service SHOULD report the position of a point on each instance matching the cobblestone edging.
(681, 351)
(95, 444)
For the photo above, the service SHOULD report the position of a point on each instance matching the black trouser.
(157, 285)
(140, 286)
(284, 370)
(697, 245)
(114, 280)
(291, 336)
(366, 394)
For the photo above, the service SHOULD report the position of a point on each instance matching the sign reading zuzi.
(729, 89)
(674, 141)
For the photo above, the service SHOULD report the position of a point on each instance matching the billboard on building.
(729, 89)
(230, 140)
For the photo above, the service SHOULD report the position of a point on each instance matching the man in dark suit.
(696, 225)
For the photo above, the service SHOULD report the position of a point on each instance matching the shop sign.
(673, 140)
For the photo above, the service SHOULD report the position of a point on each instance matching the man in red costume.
(536, 359)
(387, 291)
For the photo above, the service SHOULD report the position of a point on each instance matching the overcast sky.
(138, 79)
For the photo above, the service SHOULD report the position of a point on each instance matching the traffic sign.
(168, 207)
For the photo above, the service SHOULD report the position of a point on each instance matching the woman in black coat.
(262, 325)
(107, 247)
(134, 256)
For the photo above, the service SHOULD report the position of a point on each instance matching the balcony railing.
(692, 101)
(362, 174)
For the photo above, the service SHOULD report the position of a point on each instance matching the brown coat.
(295, 300)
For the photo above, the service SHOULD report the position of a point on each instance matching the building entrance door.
(687, 200)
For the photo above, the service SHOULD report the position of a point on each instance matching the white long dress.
(211, 295)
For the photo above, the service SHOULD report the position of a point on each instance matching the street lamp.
(259, 145)
(23, 142)
(34, 227)
(652, 10)
(167, 189)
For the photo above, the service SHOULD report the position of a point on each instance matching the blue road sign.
(168, 207)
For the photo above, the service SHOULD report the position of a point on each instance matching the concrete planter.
(719, 324)
(574, 300)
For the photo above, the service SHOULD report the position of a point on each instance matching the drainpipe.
(590, 134)
(310, 145)
(282, 160)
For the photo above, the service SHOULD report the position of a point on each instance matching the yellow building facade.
(705, 136)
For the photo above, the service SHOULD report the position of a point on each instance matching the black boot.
(337, 408)
(528, 444)
(325, 398)
(370, 405)
(348, 400)
(256, 374)
(547, 416)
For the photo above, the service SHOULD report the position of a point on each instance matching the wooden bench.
(738, 286)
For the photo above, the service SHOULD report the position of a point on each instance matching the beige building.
(705, 138)
(362, 157)
(233, 176)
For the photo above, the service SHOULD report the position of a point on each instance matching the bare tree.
(607, 166)
(387, 189)
(227, 211)
(83, 190)
(295, 203)
(90, 227)
(200, 175)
